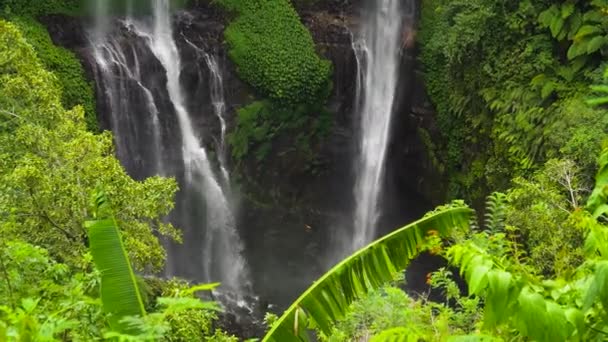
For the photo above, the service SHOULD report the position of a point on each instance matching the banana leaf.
(329, 298)
(120, 294)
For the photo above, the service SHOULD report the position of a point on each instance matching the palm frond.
(328, 299)
(120, 294)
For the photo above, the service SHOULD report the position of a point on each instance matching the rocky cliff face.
(293, 211)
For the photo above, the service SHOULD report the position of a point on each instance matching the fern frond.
(495, 215)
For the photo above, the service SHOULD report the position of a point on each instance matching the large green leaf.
(328, 299)
(119, 291)
(587, 30)
(595, 44)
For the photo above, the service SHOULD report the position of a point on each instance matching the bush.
(76, 89)
(260, 122)
(275, 53)
(37, 7)
(507, 94)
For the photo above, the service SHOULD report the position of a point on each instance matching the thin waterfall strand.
(216, 85)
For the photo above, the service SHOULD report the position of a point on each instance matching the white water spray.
(219, 105)
(115, 72)
(378, 52)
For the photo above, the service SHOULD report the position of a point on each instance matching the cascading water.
(378, 55)
(203, 209)
(219, 104)
(118, 76)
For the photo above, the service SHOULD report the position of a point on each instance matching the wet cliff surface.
(293, 209)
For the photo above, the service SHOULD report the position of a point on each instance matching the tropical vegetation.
(520, 90)
(274, 52)
(509, 294)
(50, 166)
(510, 81)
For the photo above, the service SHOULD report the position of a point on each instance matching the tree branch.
(44, 215)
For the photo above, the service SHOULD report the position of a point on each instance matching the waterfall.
(147, 144)
(378, 55)
(219, 104)
(222, 246)
(118, 75)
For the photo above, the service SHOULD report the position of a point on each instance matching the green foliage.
(369, 268)
(520, 303)
(75, 88)
(512, 295)
(598, 201)
(601, 96)
(49, 164)
(259, 123)
(539, 210)
(389, 313)
(507, 95)
(495, 212)
(41, 299)
(187, 325)
(586, 28)
(275, 53)
(36, 8)
(381, 310)
(157, 326)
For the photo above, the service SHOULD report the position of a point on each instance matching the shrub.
(275, 53)
(37, 7)
(260, 122)
(76, 89)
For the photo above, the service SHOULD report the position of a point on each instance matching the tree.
(49, 164)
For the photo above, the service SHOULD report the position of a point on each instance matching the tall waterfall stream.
(378, 56)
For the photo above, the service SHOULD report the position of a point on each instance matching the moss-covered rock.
(275, 53)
